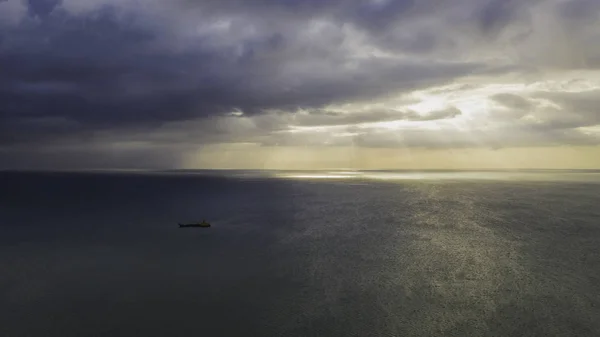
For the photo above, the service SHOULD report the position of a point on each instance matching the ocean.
(379, 253)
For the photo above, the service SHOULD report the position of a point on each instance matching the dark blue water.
(377, 254)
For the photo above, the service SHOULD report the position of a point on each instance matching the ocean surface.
(386, 253)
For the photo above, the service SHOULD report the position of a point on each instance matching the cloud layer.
(174, 74)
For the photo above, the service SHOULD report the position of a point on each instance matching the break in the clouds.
(147, 81)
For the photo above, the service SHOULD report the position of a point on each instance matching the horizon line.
(151, 170)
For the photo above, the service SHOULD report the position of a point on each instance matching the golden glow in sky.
(479, 122)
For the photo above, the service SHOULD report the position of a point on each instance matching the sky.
(299, 84)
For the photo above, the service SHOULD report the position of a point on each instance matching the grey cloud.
(577, 10)
(11, 12)
(496, 14)
(268, 129)
(579, 109)
(513, 101)
(330, 118)
(102, 73)
(42, 7)
(438, 114)
(88, 70)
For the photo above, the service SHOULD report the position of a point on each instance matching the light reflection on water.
(314, 176)
(587, 176)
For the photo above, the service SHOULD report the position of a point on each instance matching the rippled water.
(300, 254)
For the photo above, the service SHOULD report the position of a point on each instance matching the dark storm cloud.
(267, 128)
(41, 7)
(108, 68)
(160, 70)
(497, 14)
(116, 76)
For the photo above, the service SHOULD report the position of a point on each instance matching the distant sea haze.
(300, 253)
